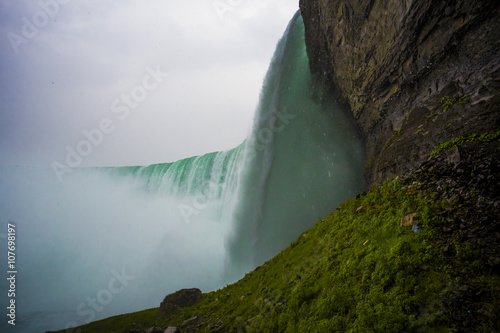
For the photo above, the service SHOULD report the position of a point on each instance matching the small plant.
(369, 164)
(392, 138)
(464, 99)
(486, 137)
(419, 131)
(447, 102)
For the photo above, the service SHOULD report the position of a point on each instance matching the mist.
(95, 246)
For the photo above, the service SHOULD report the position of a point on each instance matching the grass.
(121, 323)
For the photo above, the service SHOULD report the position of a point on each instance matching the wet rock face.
(391, 60)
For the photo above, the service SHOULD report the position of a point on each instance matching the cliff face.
(415, 73)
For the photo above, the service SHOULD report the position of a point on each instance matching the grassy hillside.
(359, 270)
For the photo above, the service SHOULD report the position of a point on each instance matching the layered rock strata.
(413, 73)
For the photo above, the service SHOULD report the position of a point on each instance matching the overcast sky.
(129, 82)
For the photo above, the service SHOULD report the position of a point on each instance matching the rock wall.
(415, 73)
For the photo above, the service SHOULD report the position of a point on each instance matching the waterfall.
(303, 158)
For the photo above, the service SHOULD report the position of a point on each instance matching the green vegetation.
(358, 270)
(369, 164)
(486, 137)
(391, 140)
(121, 323)
(447, 102)
(421, 130)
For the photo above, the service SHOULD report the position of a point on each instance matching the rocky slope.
(414, 73)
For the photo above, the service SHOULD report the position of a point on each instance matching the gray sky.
(131, 82)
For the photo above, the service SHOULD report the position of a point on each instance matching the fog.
(95, 246)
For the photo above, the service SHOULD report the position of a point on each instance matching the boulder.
(189, 321)
(178, 300)
(192, 324)
(154, 330)
(171, 329)
(408, 220)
